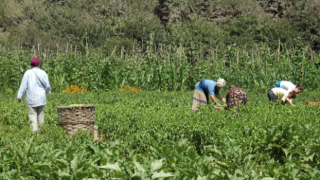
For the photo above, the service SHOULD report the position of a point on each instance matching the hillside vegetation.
(195, 24)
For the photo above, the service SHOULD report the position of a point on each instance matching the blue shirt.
(30, 85)
(209, 86)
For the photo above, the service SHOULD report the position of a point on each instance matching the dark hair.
(293, 94)
(299, 87)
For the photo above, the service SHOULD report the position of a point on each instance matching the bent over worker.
(289, 86)
(281, 94)
(206, 88)
(236, 96)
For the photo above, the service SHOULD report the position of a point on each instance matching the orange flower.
(133, 89)
(75, 89)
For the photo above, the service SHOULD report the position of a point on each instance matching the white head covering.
(221, 83)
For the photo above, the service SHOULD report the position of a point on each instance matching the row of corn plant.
(172, 70)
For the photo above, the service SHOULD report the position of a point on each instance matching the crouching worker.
(35, 84)
(205, 88)
(281, 94)
(289, 86)
(235, 96)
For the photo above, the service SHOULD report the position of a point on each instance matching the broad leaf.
(139, 167)
(267, 178)
(114, 167)
(63, 174)
(41, 165)
(156, 164)
(161, 174)
(201, 178)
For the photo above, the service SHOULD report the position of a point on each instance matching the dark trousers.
(272, 96)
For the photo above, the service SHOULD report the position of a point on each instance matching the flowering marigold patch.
(133, 89)
(75, 89)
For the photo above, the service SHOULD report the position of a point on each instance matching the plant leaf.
(114, 167)
(139, 167)
(63, 174)
(156, 164)
(161, 174)
(201, 178)
(41, 165)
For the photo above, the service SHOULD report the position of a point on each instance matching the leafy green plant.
(154, 135)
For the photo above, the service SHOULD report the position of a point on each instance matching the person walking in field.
(205, 88)
(35, 84)
(281, 94)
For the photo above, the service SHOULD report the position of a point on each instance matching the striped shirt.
(30, 85)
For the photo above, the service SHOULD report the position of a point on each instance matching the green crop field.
(112, 49)
(155, 135)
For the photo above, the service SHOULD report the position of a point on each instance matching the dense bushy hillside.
(196, 24)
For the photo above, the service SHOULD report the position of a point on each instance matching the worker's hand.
(19, 101)
(290, 102)
(224, 100)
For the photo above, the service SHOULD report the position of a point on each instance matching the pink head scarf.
(35, 62)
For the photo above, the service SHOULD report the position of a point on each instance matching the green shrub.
(204, 24)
